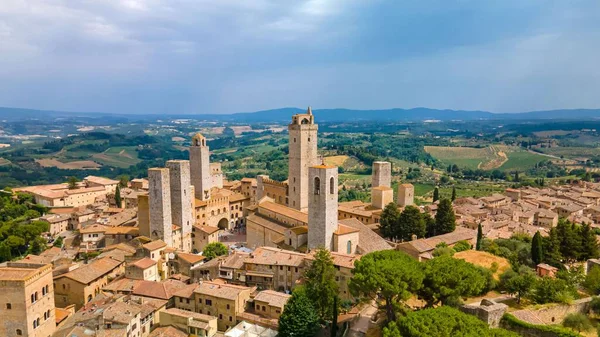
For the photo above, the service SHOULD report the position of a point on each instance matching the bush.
(462, 246)
(577, 321)
(510, 322)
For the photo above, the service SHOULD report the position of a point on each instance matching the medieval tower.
(323, 206)
(200, 167)
(382, 174)
(302, 155)
(159, 195)
(406, 194)
(181, 200)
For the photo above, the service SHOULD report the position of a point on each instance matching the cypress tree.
(453, 193)
(436, 194)
(445, 219)
(118, 196)
(479, 237)
(334, 326)
(537, 254)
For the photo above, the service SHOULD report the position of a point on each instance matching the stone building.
(182, 200)
(200, 167)
(323, 206)
(269, 303)
(81, 285)
(302, 155)
(406, 195)
(382, 174)
(26, 300)
(160, 205)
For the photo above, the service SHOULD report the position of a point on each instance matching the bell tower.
(302, 155)
(200, 167)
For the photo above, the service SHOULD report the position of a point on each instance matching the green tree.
(479, 237)
(37, 246)
(334, 327)
(448, 279)
(5, 252)
(518, 283)
(537, 252)
(442, 321)
(299, 317)
(214, 249)
(429, 223)
(592, 280)
(589, 244)
(453, 193)
(58, 242)
(462, 245)
(72, 182)
(388, 223)
(389, 274)
(118, 196)
(319, 280)
(577, 321)
(549, 290)
(595, 305)
(551, 248)
(123, 180)
(436, 194)
(411, 222)
(445, 219)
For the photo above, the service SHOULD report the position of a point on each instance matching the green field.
(463, 190)
(493, 157)
(120, 156)
(572, 152)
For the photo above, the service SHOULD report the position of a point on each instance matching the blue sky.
(221, 56)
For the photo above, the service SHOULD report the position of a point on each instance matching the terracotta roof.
(220, 290)
(167, 331)
(275, 256)
(299, 230)
(95, 228)
(188, 314)
(235, 260)
(273, 298)
(284, 210)
(121, 312)
(122, 285)
(144, 263)
(368, 240)
(267, 223)
(60, 314)
(154, 245)
(342, 230)
(190, 258)
(122, 230)
(17, 273)
(429, 244)
(187, 291)
(207, 229)
(92, 271)
(101, 180)
(161, 290)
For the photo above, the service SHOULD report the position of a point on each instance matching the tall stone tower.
(382, 174)
(200, 167)
(181, 196)
(302, 155)
(159, 195)
(406, 194)
(323, 206)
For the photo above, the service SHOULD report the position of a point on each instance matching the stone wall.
(488, 311)
(553, 314)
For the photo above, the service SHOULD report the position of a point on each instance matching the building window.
(331, 185)
(8, 306)
(349, 247)
(230, 319)
(227, 306)
(209, 302)
(264, 308)
(220, 316)
(317, 185)
(19, 332)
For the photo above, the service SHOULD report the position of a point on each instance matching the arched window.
(32, 298)
(19, 332)
(317, 185)
(89, 298)
(349, 247)
(331, 185)
(305, 121)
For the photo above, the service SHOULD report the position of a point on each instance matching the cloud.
(195, 56)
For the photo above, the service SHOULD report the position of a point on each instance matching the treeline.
(18, 234)
(410, 223)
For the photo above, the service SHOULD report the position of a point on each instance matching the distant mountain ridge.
(325, 115)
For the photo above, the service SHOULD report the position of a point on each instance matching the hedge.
(511, 321)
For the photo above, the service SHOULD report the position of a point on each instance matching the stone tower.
(323, 206)
(159, 195)
(406, 194)
(200, 167)
(382, 174)
(302, 155)
(181, 200)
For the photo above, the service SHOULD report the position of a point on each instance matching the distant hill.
(325, 115)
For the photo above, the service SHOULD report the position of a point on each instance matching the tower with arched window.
(181, 200)
(302, 155)
(322, 206)
(200, 173)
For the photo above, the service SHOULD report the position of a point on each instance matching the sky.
(225, 56)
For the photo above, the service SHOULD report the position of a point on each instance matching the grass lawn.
(522, 161)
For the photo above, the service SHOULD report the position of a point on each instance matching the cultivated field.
(73, 165)
(487, 158)
(4, 162)
(122, 156)
(346, 162)
(484, 259)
